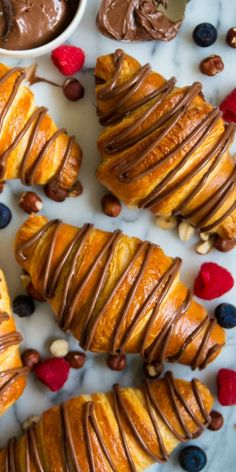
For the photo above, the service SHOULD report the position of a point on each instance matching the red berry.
(53, 372)
(228, 107)
(68, 59)
(212, 281)
(226, 387)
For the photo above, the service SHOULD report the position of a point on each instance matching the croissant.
(164, 148)
(32, 148)
(124, 430)
(116, 293)
(12, 373)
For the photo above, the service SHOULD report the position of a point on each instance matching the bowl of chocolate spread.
(35, 27)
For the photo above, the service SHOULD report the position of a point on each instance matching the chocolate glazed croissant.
(165, 148)
(32, 148)
(12, 374)
(124, 430)
(116, 293)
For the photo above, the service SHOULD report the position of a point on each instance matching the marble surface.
(180, 57)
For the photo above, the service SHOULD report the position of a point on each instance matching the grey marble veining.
(180, 57)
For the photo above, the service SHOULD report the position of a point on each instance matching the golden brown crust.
(9, 354)
(20, 161)
(134, 192)
(52, 433)
(108, 310)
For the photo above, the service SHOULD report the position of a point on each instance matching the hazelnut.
(166, 223)
(30, 202)
(76, 190)
(216, 422)
(231, 37)
(185, 231)
(211, 65)
(76, 359)
(59, 348)
(152, 370)
(204, 247)
(2, 185)
(30, 422)
(33, 293)
(111, 206)
(73, 89)
(55, 192)
(224, 245)
(30, 358)
(116, 361)
(25, 280)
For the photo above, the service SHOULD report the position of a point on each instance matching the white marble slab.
(181, 58)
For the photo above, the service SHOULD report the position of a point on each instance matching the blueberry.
(23, 306)
(192, 459)
(226, 315)
(5, 216)
(205, 35)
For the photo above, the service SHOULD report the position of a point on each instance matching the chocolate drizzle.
(33, 123)
(9, 376)
(182, 413)
(134, 133)
(66, 268)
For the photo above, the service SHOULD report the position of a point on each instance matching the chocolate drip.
(11, 376)
(67, 266)
(34, 121)
(4, 317)
(8, 340)
(122, 416)
(127, 172)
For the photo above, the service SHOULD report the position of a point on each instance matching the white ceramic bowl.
(46, 48)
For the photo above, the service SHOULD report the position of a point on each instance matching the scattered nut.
(231, 37)
(185, 231)
(76, 359)
(33, 293)
(30, 202)
(152, 370)
(73, 89)
(111, 206)
(205, 236)
(2, 185)
(31, 421)
(76, 190)
(166, 223)
(217, 421)
(224, 245)
(59, 348)
(204, 247)
(116, 361)
(211, 65)
(30, 358)
(25, 280)
(55, 192)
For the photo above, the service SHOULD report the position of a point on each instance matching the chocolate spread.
(27, 24)
(134, 20)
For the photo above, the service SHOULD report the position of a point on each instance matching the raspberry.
(226, 387)
(68, 59)
(228, 107)
(212, 281)
(53, 372)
